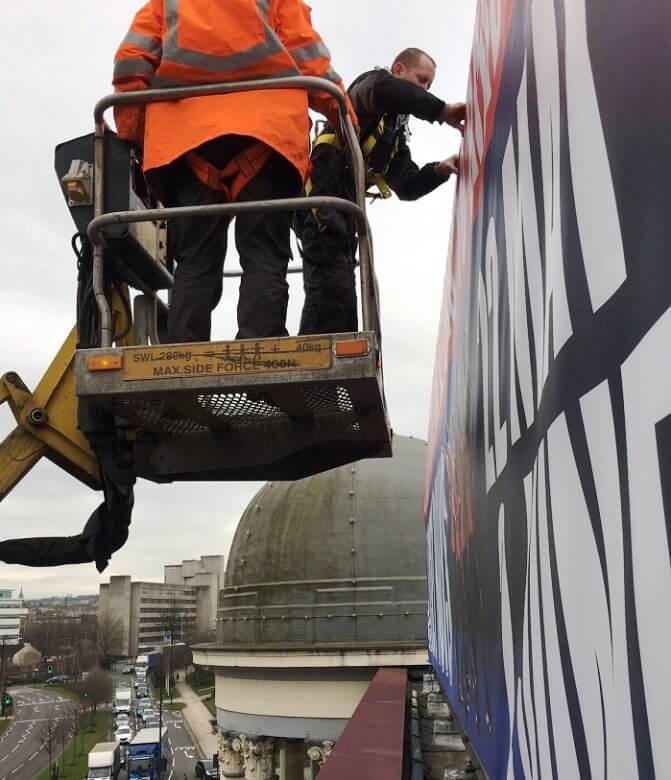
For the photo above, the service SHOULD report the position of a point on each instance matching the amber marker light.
(104, 363)
(354, 348)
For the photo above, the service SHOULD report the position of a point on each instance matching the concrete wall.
(116, 597)
(172, 574)
(205, 615)
(294, 693)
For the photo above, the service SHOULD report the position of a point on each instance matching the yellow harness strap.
(372, 179)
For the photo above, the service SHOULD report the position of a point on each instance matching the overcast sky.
(57, 61)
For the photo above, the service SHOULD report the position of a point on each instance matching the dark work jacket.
(377, 94)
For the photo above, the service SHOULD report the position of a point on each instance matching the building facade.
(325, 585)
(13, 614)
(183, 607)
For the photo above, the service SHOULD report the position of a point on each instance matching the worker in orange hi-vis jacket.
(238, 147)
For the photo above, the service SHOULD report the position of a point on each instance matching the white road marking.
(33, 756)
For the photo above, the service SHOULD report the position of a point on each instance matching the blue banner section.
(548, 502)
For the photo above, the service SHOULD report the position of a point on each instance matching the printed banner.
(548, 503)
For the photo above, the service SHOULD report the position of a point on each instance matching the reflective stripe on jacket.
(179, 42)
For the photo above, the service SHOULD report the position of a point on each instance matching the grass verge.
(176, 705)
(73, 763)
(209, 703)
(64, 692)
(201, 681)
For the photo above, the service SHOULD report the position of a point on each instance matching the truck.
(141, 662)
(104, 761)
(122, 700)
(147, 754)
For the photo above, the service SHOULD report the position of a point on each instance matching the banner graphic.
(548, 502)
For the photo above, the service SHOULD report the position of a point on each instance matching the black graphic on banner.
(549, 492)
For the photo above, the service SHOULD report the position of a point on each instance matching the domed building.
(325, 584)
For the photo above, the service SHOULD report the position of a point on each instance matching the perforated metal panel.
(248, 426)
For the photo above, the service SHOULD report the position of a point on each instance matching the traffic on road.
(147, 734)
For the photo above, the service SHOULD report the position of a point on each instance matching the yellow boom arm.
(46, 424)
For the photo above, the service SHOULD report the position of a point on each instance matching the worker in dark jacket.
(383, 100)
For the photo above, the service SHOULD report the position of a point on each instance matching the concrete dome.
(335, 558)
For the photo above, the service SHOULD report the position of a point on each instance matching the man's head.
(416, 66)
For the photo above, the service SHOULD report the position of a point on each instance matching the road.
(21, 753)
(183, 754)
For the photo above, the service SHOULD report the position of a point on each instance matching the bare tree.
(63, 732)
(110, 632)
(48, 732)
(97, 688)
(73, 717)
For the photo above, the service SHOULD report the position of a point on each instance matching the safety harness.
(236, 174)
(378, 149)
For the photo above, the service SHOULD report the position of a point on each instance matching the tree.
(97, 688)
(48, 732)
(73, 717)
(110, 634)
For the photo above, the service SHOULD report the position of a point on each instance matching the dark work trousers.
(198, 245)
(328, 243)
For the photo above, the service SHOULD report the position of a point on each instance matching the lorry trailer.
(104, 761)
(147, 754)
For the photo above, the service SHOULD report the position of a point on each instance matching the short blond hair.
(410, 57)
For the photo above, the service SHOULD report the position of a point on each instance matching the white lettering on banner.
(531, 275)
(526, 701)
(583, 593)
(541, 590)
(490, 468)
(494, 305)
(440, 607)
(647, 397)
(597, 415)
(546, 67)
(530, 244)
(489, 303)
(507, 636)
(596, 209)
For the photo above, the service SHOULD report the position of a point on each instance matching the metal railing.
(356, 210)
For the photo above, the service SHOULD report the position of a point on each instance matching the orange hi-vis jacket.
(186, 42)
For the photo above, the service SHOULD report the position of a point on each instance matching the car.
(141, 690)
(127, 670)
(122, 719)
(141, 712)
(148, 714)
(123, 734)
(152, 723)
(57, 679)
(205, 768)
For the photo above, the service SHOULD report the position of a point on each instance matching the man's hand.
(445, 168)
(454, 114)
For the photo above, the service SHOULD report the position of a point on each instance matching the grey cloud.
(65, 68)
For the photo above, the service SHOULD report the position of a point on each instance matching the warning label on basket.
(228, 357)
